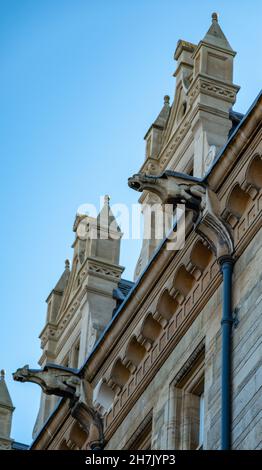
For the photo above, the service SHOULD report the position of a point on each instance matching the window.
(189, 407)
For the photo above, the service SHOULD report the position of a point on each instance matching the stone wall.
(158, 398)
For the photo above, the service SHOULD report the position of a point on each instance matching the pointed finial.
(106, 200)
(67, 264)
(166, 99)
(2, 374)
(214, 17)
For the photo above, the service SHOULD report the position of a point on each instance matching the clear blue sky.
(80, 83)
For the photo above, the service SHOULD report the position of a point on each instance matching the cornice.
(216, 48)
(213, 87)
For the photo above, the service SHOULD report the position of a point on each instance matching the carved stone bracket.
(213, 229)
(91, 422)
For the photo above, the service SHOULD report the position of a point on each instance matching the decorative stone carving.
(53, 379)
(171, 187)
(91, 422)
(177, 188)
(65, 382)
(213, 229)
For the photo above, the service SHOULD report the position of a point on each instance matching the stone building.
(173, 360)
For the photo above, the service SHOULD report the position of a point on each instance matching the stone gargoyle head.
(22, 374)
(172, 188)
(141, 181)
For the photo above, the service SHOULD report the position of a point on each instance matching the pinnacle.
(106, 200)
(215, 35)
(214, 17)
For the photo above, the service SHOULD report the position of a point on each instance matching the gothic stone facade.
(153, 369)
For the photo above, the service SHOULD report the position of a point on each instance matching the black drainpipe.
(226, 266)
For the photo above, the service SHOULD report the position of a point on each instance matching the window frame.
(188, 388)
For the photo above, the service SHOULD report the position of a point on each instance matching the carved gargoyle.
(172, 188)
(177, 188)
(53, 379)
(65, 382)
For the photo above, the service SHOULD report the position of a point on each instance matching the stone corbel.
(91, 422)
(213, 229)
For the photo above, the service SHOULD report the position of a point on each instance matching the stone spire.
(162, 118)
(55, 297)
(106, 219)
(5, 398)
(212, 95)
(6, 412)
(63, 280)
(216, 36)
(154, 134)
(67, 264)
